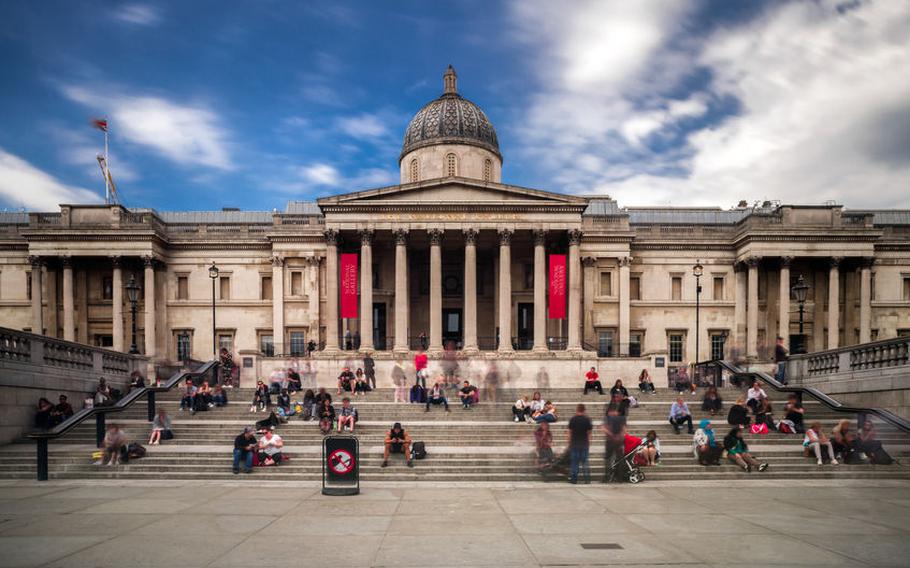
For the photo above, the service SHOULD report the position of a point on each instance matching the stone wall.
(32, 367)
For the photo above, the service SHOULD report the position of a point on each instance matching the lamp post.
(132, 292)
(800, 291)
(697, 271)
(213, 274)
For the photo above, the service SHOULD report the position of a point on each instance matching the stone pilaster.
(69, 316)
(150, 335)
(540, 291)
(589, 284)
(402, 314)
(470, 291)
(117, 304)
(752, 309)
(278, 305)
(331, 290)
(37, 295)
(505, 290)
(574, 333)
(783, 305)
(834, 302)
(624, 307)
(366, 290)
(435, 289)
(865, 300)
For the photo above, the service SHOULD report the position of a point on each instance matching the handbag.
(759, 428)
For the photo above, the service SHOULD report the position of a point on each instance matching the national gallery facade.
(455, 258)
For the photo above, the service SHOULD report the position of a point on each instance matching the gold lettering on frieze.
(457, 216)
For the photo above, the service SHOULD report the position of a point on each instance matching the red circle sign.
(341, 462)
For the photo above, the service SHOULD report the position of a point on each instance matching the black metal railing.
(100, 412)
(885, 415)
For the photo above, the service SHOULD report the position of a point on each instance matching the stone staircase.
(481, 444)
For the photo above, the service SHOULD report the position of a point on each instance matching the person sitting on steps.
(161, 428)
(437, 395)
(679, 414)
(739, 414)
(705, 447)
(521, 410)
(346, 381)
(262, 399)
(546, 414)
(815, 439)
(326, 416)
(468, 395)
(114, 442)
(397, 441)
(592, 381)
(738, 451)
(711, 402)
(270, 445)
(347, 415)
(645, 384)
(219, 396)
(619, 389)
(244, 446)
(755, 395)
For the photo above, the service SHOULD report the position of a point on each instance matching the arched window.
(414, 171)
(488, 170)
(451, 163)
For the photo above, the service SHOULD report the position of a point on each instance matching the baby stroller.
(625, 468)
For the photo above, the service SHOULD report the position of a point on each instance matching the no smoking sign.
(341, 462)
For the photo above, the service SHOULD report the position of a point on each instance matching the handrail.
(100, 412)
(886, 415)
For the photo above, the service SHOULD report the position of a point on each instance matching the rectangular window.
(906, 295)
(104, 341)
(265, 288)
(717, 345)
(183, 288)
(267, 344)
(605, 343)
(298, 343)
(107, 288)
(225, 287)
(718, 288)
(184, 346)
(296, 283)
(676, 347)
(635, 288)
(226, 341)
(606, 283)
(635, 341)
(676, 288)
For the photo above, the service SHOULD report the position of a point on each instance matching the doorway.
(379, 326)
(452, 328)
(525, 326)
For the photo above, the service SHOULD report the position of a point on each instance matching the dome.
(450, 119)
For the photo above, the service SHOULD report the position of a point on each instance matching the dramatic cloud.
(24, 185)
(137, 14)
(185, 134)
(805, 102)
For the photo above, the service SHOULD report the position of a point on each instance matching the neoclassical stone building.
(456, 254)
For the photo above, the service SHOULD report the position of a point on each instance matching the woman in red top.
(592, 381)
(420, 365)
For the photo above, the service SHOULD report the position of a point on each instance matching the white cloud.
(822, 90)
(363, 126)
(320, 174)
(185, 134)
(80, 148)
(323, 176)
(138, 14)
(24, 185)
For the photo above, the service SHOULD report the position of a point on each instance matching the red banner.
(349, 285)
(557, 287)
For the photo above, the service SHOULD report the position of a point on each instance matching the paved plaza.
(249, 523)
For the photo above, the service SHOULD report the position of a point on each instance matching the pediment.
(452, 192)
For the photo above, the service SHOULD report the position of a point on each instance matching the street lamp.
(132, 293)
(213, 274)
(697, 271)
(800, 291)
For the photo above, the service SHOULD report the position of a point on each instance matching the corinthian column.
(435, 289)
(865, 300)
(783, 327)
(69, 316)
(278, 305)
(470, 290)
(574, 341)
(752, 309)
(401, 291)
(834, 302)
(540, 291)
(366, 290)
(37, 300)
(150, 344)
(117, 303)
(505, 290)
(331, 290)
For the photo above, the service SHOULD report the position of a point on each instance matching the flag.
(100, 124)
(557, 286)
(349, 285)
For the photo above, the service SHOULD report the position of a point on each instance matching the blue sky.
(251, 104)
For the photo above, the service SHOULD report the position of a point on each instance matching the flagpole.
(107, 185)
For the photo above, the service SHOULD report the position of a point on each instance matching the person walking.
(578, 436)
(369, 371)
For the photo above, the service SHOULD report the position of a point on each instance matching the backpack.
(419, 451)
(418, 394)
(786, 427)
(135, 451)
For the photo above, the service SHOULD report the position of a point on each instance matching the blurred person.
(61, 411)
(491, 383)
(420, 367)
(43, 413)
(219, 396)
(400, 381)
(369, 371)
(543, 378)
(578, 438)
(114, 442)
(867, 443)
(739, 414)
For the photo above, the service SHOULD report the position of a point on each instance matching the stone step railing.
(876, 355)
(26, 347)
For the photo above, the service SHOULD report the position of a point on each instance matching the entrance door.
(452, 328)
(379, 326)
(525, 326)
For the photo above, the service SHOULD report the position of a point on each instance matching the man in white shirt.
(270, 448)
(755, 395)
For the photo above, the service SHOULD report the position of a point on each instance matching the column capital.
(867, 262)
(36, 261)
(625, 261)
(834, 261)
(785, 261)
(66, 261)
(313, 260)
(366, 237)
(116, 260)
(540, 237)
(148, 261)
(331, 237)
(575, 237)
(435, 237)
(588, 261)
(401, 236)
(753, 261)
(505, 236)
(470, 236)
(277, 261)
